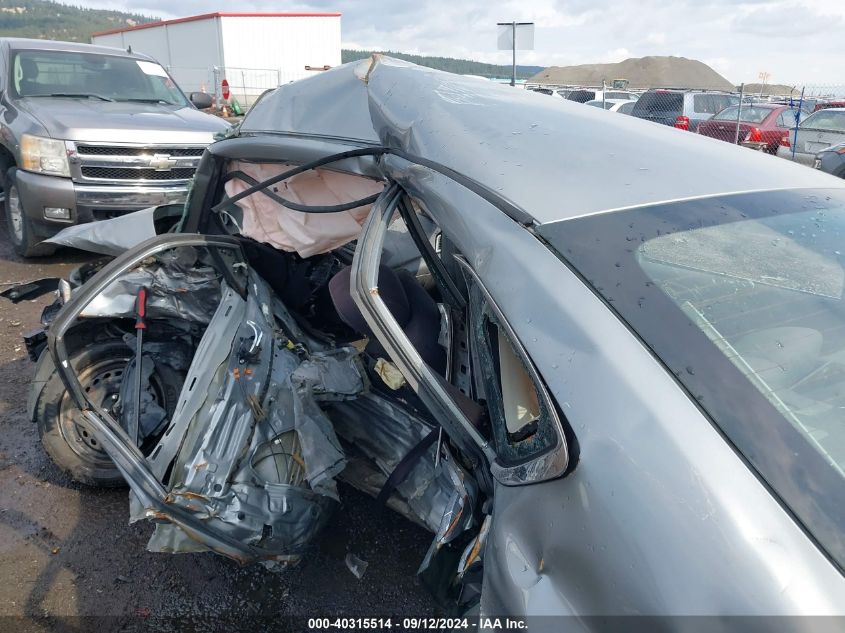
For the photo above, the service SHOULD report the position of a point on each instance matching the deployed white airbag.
(267, 221)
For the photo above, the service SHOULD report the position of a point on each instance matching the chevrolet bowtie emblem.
(162, 162)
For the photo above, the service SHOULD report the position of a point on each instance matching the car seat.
(29, 73)
(412, 307)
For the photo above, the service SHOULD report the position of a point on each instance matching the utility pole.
(739, 113)
(507, 39)
(764, 77)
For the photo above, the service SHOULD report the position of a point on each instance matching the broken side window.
(522, 422)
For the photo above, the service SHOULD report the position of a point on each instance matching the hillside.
(642, 72)
(449, 64)
(43, 19)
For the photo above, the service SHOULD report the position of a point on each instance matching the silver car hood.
(122, 122)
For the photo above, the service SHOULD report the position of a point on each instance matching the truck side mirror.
(201, 100)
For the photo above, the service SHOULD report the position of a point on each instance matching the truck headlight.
(44, 155)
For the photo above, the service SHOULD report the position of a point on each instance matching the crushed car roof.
(552, 158)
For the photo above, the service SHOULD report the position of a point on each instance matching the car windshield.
(743, 299)
(749, 114)
(581, 96)
(833, 120)
(92, 76)
(619, 95)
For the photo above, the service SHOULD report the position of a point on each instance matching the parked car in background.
(820, 130)
(761, 126)
(613, 105)
(824, 105)
(683, 109)
(832, 160)
(585, 95)
(808, 104)
(87, 132)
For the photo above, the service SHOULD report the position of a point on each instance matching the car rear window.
(788, 118)
(749, 114)
(742, 297)
(832, 104)
(581, 96)
(833, 120)
(659, 102)
(711, 104)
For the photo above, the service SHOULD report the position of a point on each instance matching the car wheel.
(65, 433)
(17, 222)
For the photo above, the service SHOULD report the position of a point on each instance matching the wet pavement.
(69, 560)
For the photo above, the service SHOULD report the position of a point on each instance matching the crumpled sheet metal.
(204, 377)
(113, 236)
(174, 354)
(178, 287)
(257, 459)
(385, 433)
(152, 414)
(457, 516)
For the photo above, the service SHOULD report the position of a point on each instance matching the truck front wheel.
(17, 222)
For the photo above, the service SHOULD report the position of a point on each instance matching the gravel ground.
(70, 561)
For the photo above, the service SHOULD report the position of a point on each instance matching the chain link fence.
(245, 84)
(796, 122)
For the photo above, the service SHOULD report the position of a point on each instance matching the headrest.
(29, 69)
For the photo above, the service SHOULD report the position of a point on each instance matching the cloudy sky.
(796, 41)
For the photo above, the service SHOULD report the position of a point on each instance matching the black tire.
(65, 433)
(23, 239)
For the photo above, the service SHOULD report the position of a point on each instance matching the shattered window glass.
(522, 427)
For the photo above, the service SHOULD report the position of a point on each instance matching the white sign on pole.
(524, 37)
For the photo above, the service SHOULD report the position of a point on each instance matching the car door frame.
(115, 441)
(423, 380)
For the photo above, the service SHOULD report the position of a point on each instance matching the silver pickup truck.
(89, 132)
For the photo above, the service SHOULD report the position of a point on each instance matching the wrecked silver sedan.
(607, 385)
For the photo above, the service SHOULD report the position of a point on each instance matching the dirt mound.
(641, 72)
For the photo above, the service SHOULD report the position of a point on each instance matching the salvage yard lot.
(67, 550)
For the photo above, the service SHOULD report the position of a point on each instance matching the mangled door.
(243, 462)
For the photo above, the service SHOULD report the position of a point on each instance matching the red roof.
(218, 14)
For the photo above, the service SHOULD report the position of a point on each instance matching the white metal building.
(252, 51)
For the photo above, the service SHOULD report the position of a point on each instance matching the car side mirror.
(201, 100)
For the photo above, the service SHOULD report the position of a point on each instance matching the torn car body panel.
(227, 473)
(246, 464)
